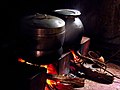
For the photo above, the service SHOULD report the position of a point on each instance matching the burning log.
(53, 80)
(69, 79)
(99, 63)
(64, 86)
(97, 76)
(49, 87)
(91, 73)
(94, 75)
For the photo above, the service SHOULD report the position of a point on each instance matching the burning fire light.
(76, 58)
(21, 60)
(50, 70)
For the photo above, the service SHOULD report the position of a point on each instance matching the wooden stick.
(98, 63)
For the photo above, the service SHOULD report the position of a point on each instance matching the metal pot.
(42, 37)
(73, 26)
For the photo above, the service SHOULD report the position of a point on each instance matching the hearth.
(54, 75)
(67, 72)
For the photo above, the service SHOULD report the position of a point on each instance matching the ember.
(55, 80)
(23, 61)
(50, 70)
(75, 57)
(74, 78)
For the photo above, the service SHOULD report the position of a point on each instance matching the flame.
(101, 59)
(76, 58)
(21, 60)
(73, 53)
(51, 82)
(50, 70)
(45, 66)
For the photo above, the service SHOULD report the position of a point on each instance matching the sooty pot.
(73, 26)
(42, 37)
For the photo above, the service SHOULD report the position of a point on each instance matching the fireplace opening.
(53, 76)
(68, 72)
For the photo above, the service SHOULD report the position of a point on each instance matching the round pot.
(73, 26)
(42, 37)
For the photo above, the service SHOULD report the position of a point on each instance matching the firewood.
(74, 81)
(94, 75)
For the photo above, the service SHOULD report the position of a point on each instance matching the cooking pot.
(73, 26)
(41, 38)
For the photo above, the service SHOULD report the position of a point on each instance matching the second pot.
(73, 26)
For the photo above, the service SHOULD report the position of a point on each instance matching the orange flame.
(45, 66)
(51, 70)
(73, 53)
(76, 58)
(21, 60)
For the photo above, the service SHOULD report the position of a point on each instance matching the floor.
(91, 85)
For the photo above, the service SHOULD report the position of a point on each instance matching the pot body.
(73, 26)
(42, 38)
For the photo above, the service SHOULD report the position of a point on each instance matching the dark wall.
(14, 10)
(91, 12)
(98, 17)
(19, 8)
(108, 39)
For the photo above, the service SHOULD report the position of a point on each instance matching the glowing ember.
(76, 58)
(51, 82)
(45, 66)
(50, 70)
(21, 60)
(73, 53)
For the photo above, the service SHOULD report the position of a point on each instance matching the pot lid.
(44, 21)
(68, 12)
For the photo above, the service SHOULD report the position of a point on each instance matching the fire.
(76, 58)
(21, 60)
(45, 66)
(73, 53)
(50, 70)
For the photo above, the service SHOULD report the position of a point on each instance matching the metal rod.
(63, 55)
(97, 64)
(93, 60)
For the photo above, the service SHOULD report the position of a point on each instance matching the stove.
(53, 75)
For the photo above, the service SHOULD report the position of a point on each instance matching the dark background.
(17, 9)
(95, 16)
(101, 20)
